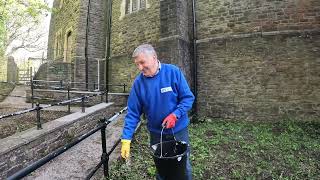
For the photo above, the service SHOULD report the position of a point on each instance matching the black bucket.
(170, 158)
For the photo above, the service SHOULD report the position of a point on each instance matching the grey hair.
(144, 48)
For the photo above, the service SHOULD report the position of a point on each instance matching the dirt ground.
(13, 103)
(12, 125)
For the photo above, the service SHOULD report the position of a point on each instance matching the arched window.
(68, 38)
(68, 46)
(58, 45)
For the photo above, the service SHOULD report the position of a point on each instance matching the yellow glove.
(125, 148)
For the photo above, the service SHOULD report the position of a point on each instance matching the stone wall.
(133, 29)
(221, 17)
(64, 18)
(236, 41)
(128, 32)
(42, 72)
(260, 77)
(258, 59)
(95, 36)
(60, 71)
(88, 44)
(122, 71)
(12, 70)
(175, 35)
(3, 69)
(20, 150)
(164, 24)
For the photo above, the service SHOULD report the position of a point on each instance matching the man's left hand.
(169, 121)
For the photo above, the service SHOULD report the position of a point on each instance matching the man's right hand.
(169, 121)
(125, 148)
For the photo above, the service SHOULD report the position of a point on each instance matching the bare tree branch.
(21, 20)
(29, 41)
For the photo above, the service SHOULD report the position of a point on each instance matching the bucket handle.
(163, 126)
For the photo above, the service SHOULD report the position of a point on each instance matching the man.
(162, 93)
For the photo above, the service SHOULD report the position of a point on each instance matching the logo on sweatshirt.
(166, 89)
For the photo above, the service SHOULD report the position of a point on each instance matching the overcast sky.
(22, 55)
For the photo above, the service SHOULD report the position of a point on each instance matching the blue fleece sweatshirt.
(158, 96)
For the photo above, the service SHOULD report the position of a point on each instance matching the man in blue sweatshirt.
(162, 93)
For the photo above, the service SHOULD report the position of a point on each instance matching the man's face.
(146, 63)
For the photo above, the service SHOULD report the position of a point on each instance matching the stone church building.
(247, 59)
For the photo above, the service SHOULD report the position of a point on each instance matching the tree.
(19, 22)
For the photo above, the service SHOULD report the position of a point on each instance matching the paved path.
(77, 162)
(17, 102)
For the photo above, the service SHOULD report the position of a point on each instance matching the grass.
(221, 149)
(5, 88)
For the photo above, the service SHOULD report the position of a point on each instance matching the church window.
(68, 46)
(61, 3)
(58, 45)
(142, 4)
(134, 5)
(127, 6)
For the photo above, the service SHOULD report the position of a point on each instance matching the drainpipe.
(98, 76)
(195, 68)
(86, 45)
(108, 45)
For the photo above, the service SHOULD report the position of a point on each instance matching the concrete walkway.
(17, 102)
(77, 162)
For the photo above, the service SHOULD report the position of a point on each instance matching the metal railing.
(38, 108)
(60, 85)
(104, 157)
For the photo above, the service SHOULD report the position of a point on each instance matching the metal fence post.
(106, 91)
(61, 84)
(124, 88)
(82, 104)
(38, 116)
(104, 157)
(32, 103)
(68, 97)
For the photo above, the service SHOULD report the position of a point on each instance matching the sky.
(22, 55)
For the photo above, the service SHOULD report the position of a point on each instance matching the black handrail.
(27, 170)
(66, 84)
(35, 80)
(50, 105)
(17, 113)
